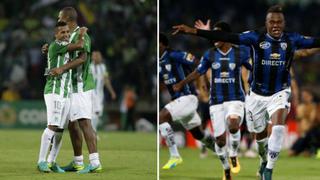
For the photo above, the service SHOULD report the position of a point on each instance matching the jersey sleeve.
(204, 63)
(87, 43)
(245, 57)
(248, 38)
(304, 41)
(59, 48)
(183, 57)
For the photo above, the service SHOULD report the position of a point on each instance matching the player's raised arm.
(211, 35)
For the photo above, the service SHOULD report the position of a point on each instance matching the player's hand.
(83, 30)
(113, 96)
(44, 48)
(200, 25)
(183, 29)
(56, 72)
(177, 87)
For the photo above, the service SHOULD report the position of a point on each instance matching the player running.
(57, 96)
(226, 95)
(174, 66)
(273, 51)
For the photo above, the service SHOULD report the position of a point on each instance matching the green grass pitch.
(124, 156)
(210, 168)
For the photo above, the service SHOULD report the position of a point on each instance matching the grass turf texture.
(210, 168)
(123, 156)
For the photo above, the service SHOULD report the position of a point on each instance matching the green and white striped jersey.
(57, 56)
(82, 79)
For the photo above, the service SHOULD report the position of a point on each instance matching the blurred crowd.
(124, 31)
(249, 15)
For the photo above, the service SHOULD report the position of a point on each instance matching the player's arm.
(80, 42)
(245, 79)
(305, 53)
(184, 58)
(201, 69)
(211, 35)
(294, 88)
(305, 42)
(109, 87)
(70, 65)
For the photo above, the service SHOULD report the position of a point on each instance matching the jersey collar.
(269, 36)
(226, 53)
(163, 55)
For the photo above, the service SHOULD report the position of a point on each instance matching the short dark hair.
(275, 9)
(223, 26)
(164, 39)
(60, 24)
(71, 13)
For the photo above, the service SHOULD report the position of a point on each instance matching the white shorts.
(259, 109)
(98, 104)
(184, 110)
(219, 114)
(81, 105)
(58, 109)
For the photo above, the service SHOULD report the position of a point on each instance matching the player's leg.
(235, 113)
(57, 139)
(205, 117)
(167, 133)
(194, 126)
(53, 115)
(85, 115)
(234, 122)
(217, 115)
(75, 135)
(278, 109)
(91, 141)
(257, 122)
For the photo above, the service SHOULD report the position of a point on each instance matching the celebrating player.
(226, 95)
(174, 66)
(57, 96)
(81, 99)
(273, 50)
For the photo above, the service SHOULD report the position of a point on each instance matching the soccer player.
(101, 78)
(273, 50)
(57, 96)
(81, 110)
(174, 66)
(226, 95)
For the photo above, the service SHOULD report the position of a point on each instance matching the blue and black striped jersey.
(225, 83)
(272, 59)
(174, 66)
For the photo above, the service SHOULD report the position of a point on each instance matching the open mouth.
(276, 31)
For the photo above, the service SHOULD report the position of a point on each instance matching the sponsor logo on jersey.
(224, 80)
(224, 74)
(232, 66)
(215, 65)
(166, 76)
(170, 81)
(283, 46)
(189, 57)
(264, 45)
(168, 67)
(272, 62)
(224, 59)
(275, 56)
